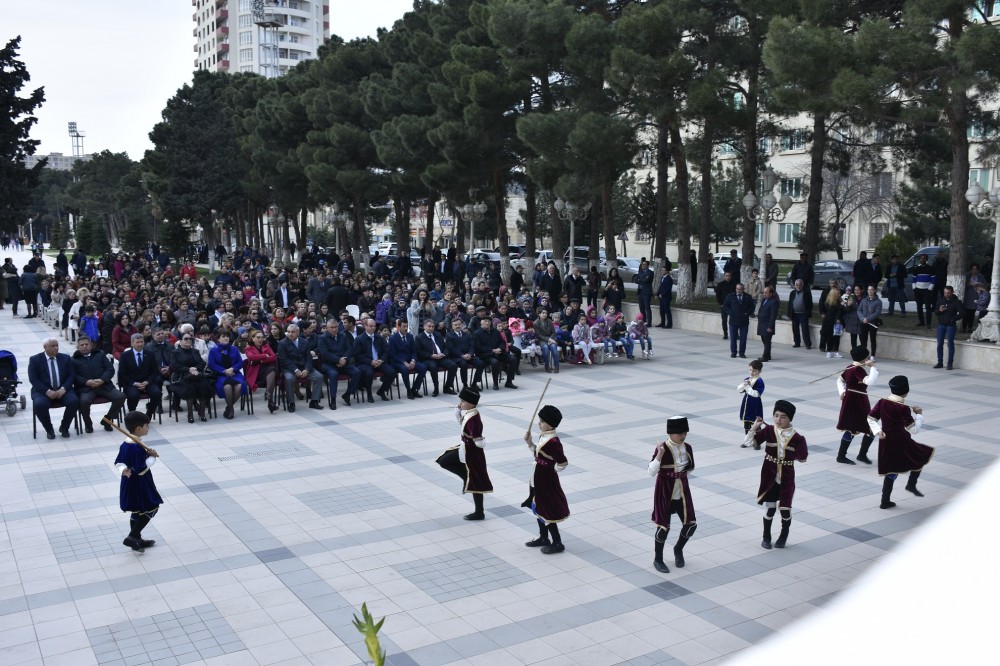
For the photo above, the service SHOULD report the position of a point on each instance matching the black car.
(831, 269)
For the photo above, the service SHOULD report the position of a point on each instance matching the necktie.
(54, 371)
(434, 342)
(374, 351)
(138, 359)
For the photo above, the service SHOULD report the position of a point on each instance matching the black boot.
(478, 514)
(766, 543)
(531, 497)
(866, 443)
(845, 442)
(543, 537)
(887, 492)
(911, 484)
(658, 562)
(686, 532)
(783, 535)
(557, 545)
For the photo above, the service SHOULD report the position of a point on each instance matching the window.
(738, 101)
(842, 236)
(876, 232)
(883, 185)
(764, 145)
(246, 37)
(794, 140)
(727, 150)
(792, 187)
(981, 176)
(246, 20)
(788, 233)
(246, 5)
(758, 234)
(246, 68)
(974, 130)
(884, 135)
(246, 55)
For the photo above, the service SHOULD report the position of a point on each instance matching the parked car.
(528, 263)
(390, 261)
(931, 251)
(831, 269)
(581, 258)
(627, 268)
(722, 257)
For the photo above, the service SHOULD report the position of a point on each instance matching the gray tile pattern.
(96, 541)
(347, 499)
(259, 453)
(462, 574)
(960, 457)
(707, 525)
(180, 637)
(834, 485)
(69, 477)
(522, 469)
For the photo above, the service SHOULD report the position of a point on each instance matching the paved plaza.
(276, 528)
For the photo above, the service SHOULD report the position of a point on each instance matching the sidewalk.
(277, 527)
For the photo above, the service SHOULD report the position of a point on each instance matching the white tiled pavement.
(262, 558)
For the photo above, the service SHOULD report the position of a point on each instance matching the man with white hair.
(51, 377)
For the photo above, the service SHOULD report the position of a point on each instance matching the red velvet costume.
(855, 406)
(898, 453)
(477, 478)
(550, 500)
(779, 468)
(666, 480)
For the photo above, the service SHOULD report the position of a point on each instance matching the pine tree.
(16, 120)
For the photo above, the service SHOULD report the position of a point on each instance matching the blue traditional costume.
(138, 492)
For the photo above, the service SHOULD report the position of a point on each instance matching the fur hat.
(469, 395)
(677, 425)
(550, 415)
(786, 408)
(899, 385)
(859, 354)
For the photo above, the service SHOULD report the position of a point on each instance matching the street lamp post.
(768, 208)
(567, 210)
(473, 212)
(987, 207)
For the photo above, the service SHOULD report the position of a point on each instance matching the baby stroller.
(8, 383)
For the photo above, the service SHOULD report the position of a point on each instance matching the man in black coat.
(95, 379)
(462, 351)
(371, 353)
(550, 282)
(800, 306)
(862, 270)
(335, 350)
(767, 320)
(337, 297)
(488, 346)
(803, 270)
(665, 292)
(433, 353)
(138, 373)
(724, 288)
(517, 279)
(296, 363)
(574, 284)
(739, 306)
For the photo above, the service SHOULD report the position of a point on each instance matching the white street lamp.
(768, 208)
(986, 207)
(567, 210)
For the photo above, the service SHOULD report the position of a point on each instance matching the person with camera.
(949, 313)
(870, 315)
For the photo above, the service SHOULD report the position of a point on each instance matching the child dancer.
(853, 385)
(897, 452)
(549, 506)
(468, 459)
(672, 460)
(752, 408)
(138, 492)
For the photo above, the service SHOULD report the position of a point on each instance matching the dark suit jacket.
(129, 372)
(294, 358)
(767, 316)
(363, 349)
(666, 288)
(331, 349)
(337, 299)
(809, 302)
(38, 373)
(425, 348)
(459, 346)
(739, 310)
(402, 348)
(280, 299)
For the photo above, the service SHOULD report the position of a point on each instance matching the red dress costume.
(779, 459)
(468, 459)
(550, 500)
(897, 452)
(669, 480)
(855, 406)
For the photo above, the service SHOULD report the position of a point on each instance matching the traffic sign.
(623, 236)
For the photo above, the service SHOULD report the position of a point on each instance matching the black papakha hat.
(550, 415)
(469, 395)
(677, 425)
(786, 408)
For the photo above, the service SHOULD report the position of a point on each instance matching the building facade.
(56, 161)
(266, 37)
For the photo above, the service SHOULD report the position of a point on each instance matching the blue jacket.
(767, 315)
(333, 348)
(402, 348)
(666, 289)
(739, 309)
(235, 362)
(40, 379)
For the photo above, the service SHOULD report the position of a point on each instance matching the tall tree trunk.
(705, 221)
(558, 245)
(684, 291)
(958, 126)
(817, 152)
(593, 251)
(530, 217)
(659, 250)
(751, 162)
(303, 230)
(430, 240)
(608, 212)
(500, 205)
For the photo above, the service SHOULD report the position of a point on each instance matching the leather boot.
(845, 442)
(543, 537)
(686, 532)
(866, 443)
(478, 514)
(658, 562)
(766, 543)
(911, 484)
(887, 492)
(783, 535)
(190, 411)
(531, 497)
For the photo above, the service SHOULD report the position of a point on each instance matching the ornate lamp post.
(768, 208)
(987, 207)
(473, 212)
(569, 211)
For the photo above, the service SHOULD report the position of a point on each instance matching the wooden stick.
(832, 374)
(127, 434)
(531, 423)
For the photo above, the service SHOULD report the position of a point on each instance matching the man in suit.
(336, 297)
(488, 346)
(432, 352)
(665, 292)
(283, 296)
(295, 361)
(767, 318)
(461, 350)
(138, 373)
(52, 377)
(403, 357)
(94, 378)
(334, 349)
(371, 353)
(723, 289)
(739, 306)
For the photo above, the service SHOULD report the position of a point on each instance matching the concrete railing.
(981, 356)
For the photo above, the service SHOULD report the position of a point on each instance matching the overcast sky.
(111, 65)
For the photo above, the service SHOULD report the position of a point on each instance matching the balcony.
(221, 14)
(194, 33)
(271, 19)
(222, 66)
(195, 48)
(224, 47)
(222, 32)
